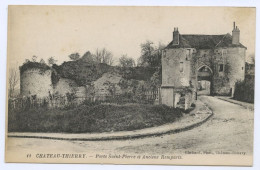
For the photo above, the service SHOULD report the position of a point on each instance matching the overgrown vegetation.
(30, 65)
(244, 90)
(150, 55)
(82, 72)
(92, 117)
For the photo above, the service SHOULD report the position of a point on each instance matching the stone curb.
(237, 103)
(120, 137)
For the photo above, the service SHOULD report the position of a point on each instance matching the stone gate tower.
(218, 59)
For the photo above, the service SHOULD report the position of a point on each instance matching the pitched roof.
(204, 41)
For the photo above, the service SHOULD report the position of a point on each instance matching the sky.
(58, 31)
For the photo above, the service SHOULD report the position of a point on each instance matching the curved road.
(230, 129)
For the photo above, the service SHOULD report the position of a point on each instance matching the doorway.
(204, 80)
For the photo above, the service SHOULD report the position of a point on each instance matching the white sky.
(47, 31)
(3, 10)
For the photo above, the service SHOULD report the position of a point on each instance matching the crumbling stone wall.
(38, 82)
(65, 86)
(107, 85)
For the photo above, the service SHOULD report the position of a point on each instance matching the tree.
(34, 58)
(150, 55)
(13, 81)
(51, 61)
(252, 57)
(103, 56)
(74, 56)
(87, 57)
(250, 65)
(125, 61)
(156, 79)
(42, 61)
(146, 51)
(26, 61)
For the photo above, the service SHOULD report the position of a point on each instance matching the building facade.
(201, 64)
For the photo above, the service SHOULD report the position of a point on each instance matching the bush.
(244, 90)
(92, 117)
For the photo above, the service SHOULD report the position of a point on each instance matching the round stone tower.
(35, 81)
(236, 58)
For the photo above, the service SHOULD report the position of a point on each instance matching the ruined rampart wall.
(65, 86)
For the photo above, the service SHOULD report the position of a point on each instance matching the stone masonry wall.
(204, 57)
(36, 82)
(176, 68)
(236, 56)
(167, 96)
(108, 84)
(178, 71)
(233, 60)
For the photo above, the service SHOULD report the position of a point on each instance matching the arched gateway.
(204, 78)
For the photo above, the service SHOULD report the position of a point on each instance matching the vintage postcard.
(130, 85)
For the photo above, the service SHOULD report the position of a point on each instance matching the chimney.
(176, 37)
(235, 34)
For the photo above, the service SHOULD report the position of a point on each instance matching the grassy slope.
(96, 118)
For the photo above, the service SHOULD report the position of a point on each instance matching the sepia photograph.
(130, 85)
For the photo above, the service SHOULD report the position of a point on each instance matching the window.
(181, 67)
(188, 54)
(164, 53)
(221, 68)
(242, 68)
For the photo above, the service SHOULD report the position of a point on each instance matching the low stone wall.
(188, 100)
(182, 98)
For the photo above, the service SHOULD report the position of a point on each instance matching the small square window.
(164, 53)
(221, 68)
(242, 68)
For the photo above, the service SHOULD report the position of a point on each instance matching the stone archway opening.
(204, 80)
